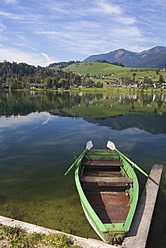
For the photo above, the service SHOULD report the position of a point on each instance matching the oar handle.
(112, 147)
(136, 166)
(89, 145)
(75, 162)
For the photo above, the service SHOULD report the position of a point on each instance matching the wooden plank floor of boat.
(109, 200)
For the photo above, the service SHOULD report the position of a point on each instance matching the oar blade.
(89, 145)
(111, 145)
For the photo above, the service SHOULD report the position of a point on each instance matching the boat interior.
(105, 186)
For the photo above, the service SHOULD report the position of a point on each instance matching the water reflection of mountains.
(114, 110)
(154, 124)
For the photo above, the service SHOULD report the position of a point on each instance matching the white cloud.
(34, 49)
(13, 54)
(2, 27)
(53, 34)
(74, 40)
(138, 48)
(127, 32)
(58, 7)
(127, 20)
(88, 35)
(108, 8)
(90, 10)
(10, 1)
(11, 15)
(47, 59)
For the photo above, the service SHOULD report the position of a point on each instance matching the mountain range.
(141, 122)
(152, 58)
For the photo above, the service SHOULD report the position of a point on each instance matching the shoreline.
(112, 89)
(34, 229)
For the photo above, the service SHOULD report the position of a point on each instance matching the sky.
(40, 32)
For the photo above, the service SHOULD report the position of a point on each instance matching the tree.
(99, 84)
(120, 64)
(128, 81)
(48, 82)
(157, 71)
(62, 83)
(54, 82)
(15, 84)
(161, 79)
(1, 83)
(77, 79)
(147, 81)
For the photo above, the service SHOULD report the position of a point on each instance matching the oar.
(89, 145)
(111, 146)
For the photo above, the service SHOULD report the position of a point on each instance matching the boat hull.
(100, 234)
(109, 230)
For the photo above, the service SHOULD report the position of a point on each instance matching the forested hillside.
(13, 75)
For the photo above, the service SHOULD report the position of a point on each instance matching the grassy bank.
(120, 89)
(17, 237)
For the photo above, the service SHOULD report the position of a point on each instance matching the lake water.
(39, 131)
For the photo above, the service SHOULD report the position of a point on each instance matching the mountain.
(152, 58)
(141, 122)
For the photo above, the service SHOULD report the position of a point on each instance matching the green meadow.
(96, 68)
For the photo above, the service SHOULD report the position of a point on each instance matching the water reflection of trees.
(25, 102)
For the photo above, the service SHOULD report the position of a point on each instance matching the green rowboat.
(108, 189)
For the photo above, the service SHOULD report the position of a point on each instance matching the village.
(109, 80)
